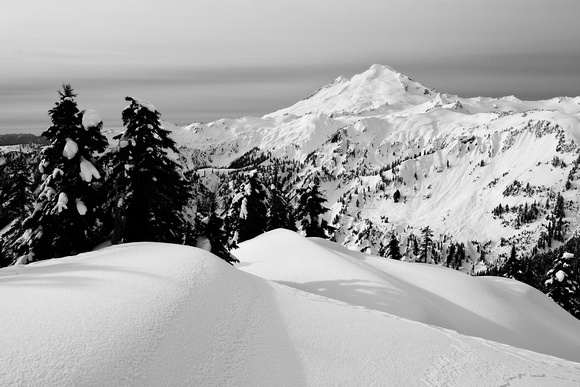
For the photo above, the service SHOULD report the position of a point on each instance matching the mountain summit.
(379, 88)
(454, 164)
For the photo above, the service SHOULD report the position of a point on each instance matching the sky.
(204, 60)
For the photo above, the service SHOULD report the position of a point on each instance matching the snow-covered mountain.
(159, 314)
(453, 160)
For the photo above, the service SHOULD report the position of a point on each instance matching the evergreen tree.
(213, 236)
(412, 248)
(310, 208)
(561, 285)
(397, 196)
(394, 251)
(247, 213)
(459, 256)
(426, 244)
(280, 212)
(149, 187)
(17, 177)
(450, 255)
(66, 218)
(512, 267)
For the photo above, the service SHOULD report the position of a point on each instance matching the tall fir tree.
(18, 175)
(394, 252)
(247, 213)
(310, 208)
(280, 211)
(450, 255)
(150, 191)
(512, 267)
(425, 254)
(561, 285)
(66, 218)
(17, 178)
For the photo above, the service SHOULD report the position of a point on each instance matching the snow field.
(498, 309)
(158, 314)
(139, 314)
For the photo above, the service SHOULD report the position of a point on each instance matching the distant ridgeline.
(21, 138)
(378, 163)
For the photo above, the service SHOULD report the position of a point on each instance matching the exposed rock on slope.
(454, 160)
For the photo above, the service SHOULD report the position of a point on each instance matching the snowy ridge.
(158, 314)
(451, 158)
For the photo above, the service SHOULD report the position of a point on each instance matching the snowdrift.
(493, 308)
(158, 314)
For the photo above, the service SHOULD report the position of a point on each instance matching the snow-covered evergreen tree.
(512, 267)
(150, 189)
(17, 177)
(561, 285)
(66, 218)
(280, 212)
(425, 253)
(247, 213)
(393, 251)
(212, 236)
(310, 208)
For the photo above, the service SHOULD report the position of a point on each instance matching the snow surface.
(379, 87)
(159, 314)
(493, 308)
(81, 207)
(61, 203)
(91, 119)
(146, 104)
(70, 149)
(88, 170)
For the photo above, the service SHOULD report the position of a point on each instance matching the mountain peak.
(379, 69)
(377, 87)
(379, 72)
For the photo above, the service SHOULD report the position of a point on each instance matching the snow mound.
(145, 104)
(91, 119)
(492, 308)
(70, 149)
(88, 172)
(159, 314)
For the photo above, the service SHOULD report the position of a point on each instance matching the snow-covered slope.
(493, 308)
(380, 87)
(452, 159)
(157, 314)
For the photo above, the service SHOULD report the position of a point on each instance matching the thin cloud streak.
(199, 60)
(184, 95)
